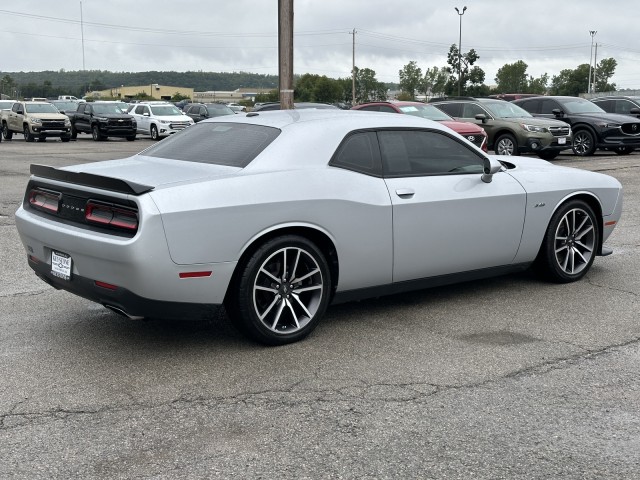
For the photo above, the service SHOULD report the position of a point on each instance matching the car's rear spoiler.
(90, 180)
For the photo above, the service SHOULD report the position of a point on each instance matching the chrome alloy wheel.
(583, 143)
(288, 290)
(505, 146)
(575, 240)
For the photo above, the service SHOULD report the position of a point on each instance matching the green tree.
(411, 80)
(512, 78)
(468, 73)
(538, 85)
(368, 88)
(434, 81)
(574, 82)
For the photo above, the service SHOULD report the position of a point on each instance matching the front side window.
(421, 152)
(624, 107)
(548, 106)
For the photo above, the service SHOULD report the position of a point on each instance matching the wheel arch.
(591, 200)
(320, 238)
(499, 133)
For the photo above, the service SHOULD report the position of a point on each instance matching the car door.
(142, 113)
(445, 218)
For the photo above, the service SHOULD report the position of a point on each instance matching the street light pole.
(592, 33)
(464, 9)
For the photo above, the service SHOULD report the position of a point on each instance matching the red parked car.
(470, 131)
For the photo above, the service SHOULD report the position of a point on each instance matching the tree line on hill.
(434, 81)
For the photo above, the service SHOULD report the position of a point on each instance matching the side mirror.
(20, 111)
(491, 167)
(482, 117)
(557, 112)
(635, 111)
(146, 114)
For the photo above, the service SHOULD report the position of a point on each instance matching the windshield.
(217, 110)
(425, 111)
(106, 108)
(66, 106)
(40, 108)
(4, 104)
(506, 110)
(230, 144)
(579, 105)
(165, 110)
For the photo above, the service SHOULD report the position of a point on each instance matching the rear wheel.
(506, 144)
(6, 133)
(570, 242)
(74, 132)
(584, 143)
(282, 291)
(28, 136)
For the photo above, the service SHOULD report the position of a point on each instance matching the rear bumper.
(122, 300)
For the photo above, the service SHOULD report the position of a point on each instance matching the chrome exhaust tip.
(120, 311)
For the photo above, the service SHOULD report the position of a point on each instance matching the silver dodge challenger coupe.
(276, 215)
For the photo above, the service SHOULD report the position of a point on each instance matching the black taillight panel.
(75, 207)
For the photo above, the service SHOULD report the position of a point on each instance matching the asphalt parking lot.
(501, 378)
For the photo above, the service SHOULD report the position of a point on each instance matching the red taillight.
(44, 200)
(114, 216)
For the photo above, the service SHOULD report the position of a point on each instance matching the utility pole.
(592, 33)
(595, 63)
(460, 49)
(353, 69)
(82, 34)
(285, 53)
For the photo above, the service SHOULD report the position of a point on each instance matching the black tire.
(28, 136)
(623, 150)
(154, 133)
(74, 132)
(506, 144)
(6, 133)
(65, 138)
(584, 143)
(271, 308)
(95, 133)
(131, 138)
(569, 244)
(548, 155)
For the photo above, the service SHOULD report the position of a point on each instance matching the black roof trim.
(90, 180)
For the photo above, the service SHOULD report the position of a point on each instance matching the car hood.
(609, 117)
(48, 116)
(538, 121)
(114, 116)
(463, 127)
(154, 172)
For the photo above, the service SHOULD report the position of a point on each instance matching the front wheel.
(74, 132)
(506, 145)
(584, 143)
(570, 242)
(282, 291)
(154, 133)
(95, 133)
(131, 138)
(28, 136)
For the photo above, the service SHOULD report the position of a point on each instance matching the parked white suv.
(159, 119)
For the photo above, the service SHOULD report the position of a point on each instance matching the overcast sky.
(241, 35)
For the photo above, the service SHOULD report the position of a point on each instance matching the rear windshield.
(230, 144)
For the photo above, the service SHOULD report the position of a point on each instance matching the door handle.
(405, 192)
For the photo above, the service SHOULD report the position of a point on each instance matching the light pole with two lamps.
(464, 9)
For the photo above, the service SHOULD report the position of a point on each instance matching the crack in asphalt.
(613, 289)
(360, 390)
(27, 294)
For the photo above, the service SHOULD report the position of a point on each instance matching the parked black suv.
(202, 111)
(592, 127)
(510, 129)
(619, 104)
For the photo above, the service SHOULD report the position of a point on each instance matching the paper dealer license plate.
(562, 141)
(61, 265)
